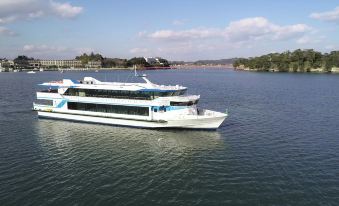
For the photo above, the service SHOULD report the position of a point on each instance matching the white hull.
(196, 123)
(145, 105)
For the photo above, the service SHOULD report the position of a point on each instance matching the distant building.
(4, 63)
(61, 63)
(34, 63)
(335, 69)
(93, 64)
(151, 60)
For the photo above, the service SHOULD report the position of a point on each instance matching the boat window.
(177, 93)
(189, 103)
(117, 109)
(162, 108)
(44, 102)
(121, 94)
(182, 92)
(82, 93)
(51, 90)
(118, 94)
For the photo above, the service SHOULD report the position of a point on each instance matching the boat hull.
(210, 123)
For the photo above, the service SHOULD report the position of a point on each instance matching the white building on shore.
(61, 63)
(5, 63)
(93, 64)
(34, 64)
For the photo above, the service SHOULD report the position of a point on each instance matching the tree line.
(124, 63)
(296, 61)
(22, 61)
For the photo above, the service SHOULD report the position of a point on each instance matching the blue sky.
(176, 29)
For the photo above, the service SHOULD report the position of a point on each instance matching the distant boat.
(96, 70)
(31, 72)
(62, 71)
(41, 69)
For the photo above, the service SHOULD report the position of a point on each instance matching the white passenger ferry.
(145, 105)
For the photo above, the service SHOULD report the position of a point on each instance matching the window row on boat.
(189, 103)
(117, 109)
(44, 102)
(122, 94)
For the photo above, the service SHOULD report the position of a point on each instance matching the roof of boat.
(92, 83)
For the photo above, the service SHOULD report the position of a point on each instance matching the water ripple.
(278, 147)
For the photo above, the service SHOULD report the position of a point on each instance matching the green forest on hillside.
(117, 62)
(296, 61)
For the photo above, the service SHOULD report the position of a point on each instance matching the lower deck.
(147, 116)
(210, 123)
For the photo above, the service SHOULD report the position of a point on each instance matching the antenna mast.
(143, 76)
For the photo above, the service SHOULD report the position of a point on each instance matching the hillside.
(206, 62)
(297, 61)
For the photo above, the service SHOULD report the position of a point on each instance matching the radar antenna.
(143, 76)
(136, 74)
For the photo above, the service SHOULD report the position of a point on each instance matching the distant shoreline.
(334, 70)
(121, 68)
(297, 61)
(227, 66)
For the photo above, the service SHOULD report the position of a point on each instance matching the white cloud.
(139, 51)
(44, 51)
(236, 38)
(198, 33)
(179, 22)
(36, 14)
(327, 15)
(291, 31)
(142, 33)
(247, 29)
(7, 32)
(330, 47)
(66, 10)
(311, 39)
(11, 10)
(258, 27)
(304, 40)
(43, 48)
(7, 19)
(83, 50)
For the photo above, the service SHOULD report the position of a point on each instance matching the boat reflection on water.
(71, 136)
(111, 161)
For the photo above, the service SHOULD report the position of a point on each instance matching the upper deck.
(90, 87)
(92, 83)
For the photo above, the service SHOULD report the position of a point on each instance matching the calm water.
(280, 146)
